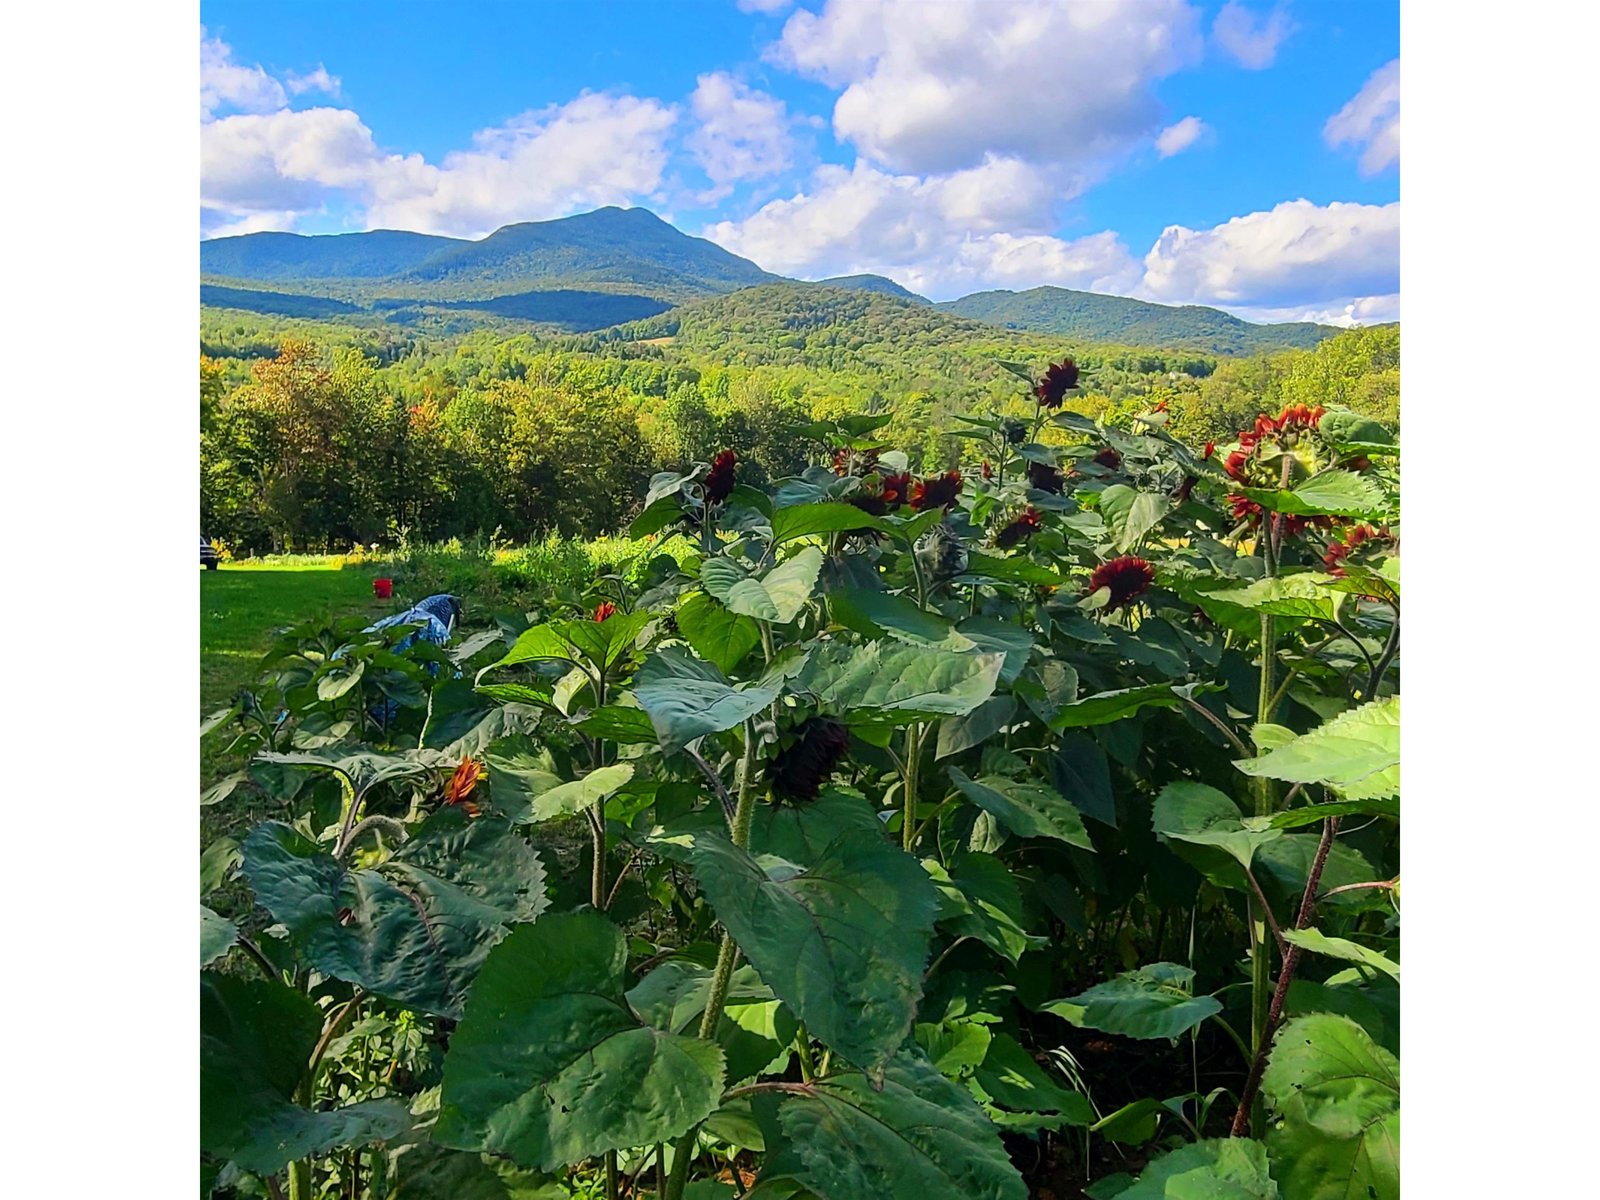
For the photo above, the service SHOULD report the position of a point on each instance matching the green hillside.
(293, 257)
(1118, 319)
(874, 283)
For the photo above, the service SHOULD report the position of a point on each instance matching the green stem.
(908, 828)
(1260, 952)
(727, 954)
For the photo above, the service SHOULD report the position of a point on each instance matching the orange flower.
(463, 782)
(604, 610)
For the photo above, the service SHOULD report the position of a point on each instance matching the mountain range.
(615, 265)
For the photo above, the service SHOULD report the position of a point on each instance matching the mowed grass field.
(243, 605)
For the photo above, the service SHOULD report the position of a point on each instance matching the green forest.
(318, 435)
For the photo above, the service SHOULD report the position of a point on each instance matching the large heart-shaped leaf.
(804, 520)
(878, 614)
(216, 935)
(1156, 1001)
(842, 942)
(1104, 707)
(1026, 807)
(896, 683)
(416, 928)
(1336, 1094)
(578, 794)
(599, 643)
(687, 699)
(1193, 812)
(919, 1137)
(550, 1065)
(1130, 515)
(1021, 1095)
(256, 1038)
(717, 635)
(1332, 493)
(979, 898)
(1357, 753)
(777, 596)
(1215, 1169)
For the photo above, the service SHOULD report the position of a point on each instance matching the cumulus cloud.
(1371, 120)
(1358, 310)
(1177, 138)
(941, 87)
(739, 134)
(257, 170)
(1248, 41)
(227, 84)
(942, 236)
(1298, 255)
(595, 150)
(313, 81)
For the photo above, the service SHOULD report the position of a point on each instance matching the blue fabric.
(437, 614)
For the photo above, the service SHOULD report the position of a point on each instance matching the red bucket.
(383, 589)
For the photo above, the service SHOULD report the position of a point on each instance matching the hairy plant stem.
(1260, 955)
(1244, 1118)
(908, 827)
(1390, 649)
(727, 954)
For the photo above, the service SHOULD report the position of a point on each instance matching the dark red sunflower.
(1019, 530)
(986, 470)
(604, 610)
(854, 462)
(936, 491)
(719, 480)
(1128, 578)
(1337, 552)
(798, 771)
(1109, 459)
(1015, 431)
(1045, 478)
(1060, 379)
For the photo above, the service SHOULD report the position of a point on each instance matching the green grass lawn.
(242, 605)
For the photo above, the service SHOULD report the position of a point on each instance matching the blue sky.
(1240, 154)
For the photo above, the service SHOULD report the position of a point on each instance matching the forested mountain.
(614, 265)
(1102, 318)
(293, 257)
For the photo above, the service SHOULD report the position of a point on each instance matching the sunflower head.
(1045, 478)
(937, 491)
(1127, 578)
(463, 782)
(720, 479)
(798, 771)
(1019, 530)
(1060, 379)
(1109, 459)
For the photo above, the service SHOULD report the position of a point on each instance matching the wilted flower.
(1015, 431)
(1060, 379)
(1337, 552)
(1127, 577)
(1185, 489)
(1045, 478)
(604, 610)
(1019, 530)
(879, 494)
(719, 480)
(463, 782)
(854, 462)
(987, 470)
(937, 491)
(1109, 459)
(798, 771)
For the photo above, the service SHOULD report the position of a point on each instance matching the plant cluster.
(911, 834)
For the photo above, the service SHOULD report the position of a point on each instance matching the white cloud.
(265, 167)
(1177, 138)
(1249, 42)
(942, 236)
(1357, 310)
(1297, 255)
(740, 133)
(595, 150)
(1371, 120)
(941, 87)
(226, 84)
(314, 81)
(763, 6)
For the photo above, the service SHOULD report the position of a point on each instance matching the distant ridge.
(1098, 317)
(614, 265)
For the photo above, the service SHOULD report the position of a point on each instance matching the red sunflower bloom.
(1019, 530)
(719, 480)
(1045, 478)
(1060, 379)
(987, 470)
(1127, 577)
(937, 491)
(463, 783)
(604, 610)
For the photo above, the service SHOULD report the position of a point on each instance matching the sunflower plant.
(966, 831)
